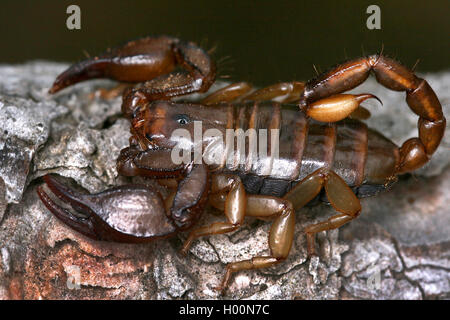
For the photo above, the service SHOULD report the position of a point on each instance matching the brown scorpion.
(320, 145)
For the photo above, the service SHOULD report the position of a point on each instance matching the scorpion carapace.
(316, 147)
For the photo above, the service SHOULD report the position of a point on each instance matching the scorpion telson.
(322, 145)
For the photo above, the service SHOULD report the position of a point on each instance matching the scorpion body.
(318, 148)
(359, 155)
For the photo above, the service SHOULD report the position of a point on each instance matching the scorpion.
(324, 151)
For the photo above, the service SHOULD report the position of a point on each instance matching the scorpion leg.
(291, 91)
(344, 106)
(108, 94)
(420, 97)
(343, 200)
(339, 194)
(236, 205)
(228, 94)
(281, 233)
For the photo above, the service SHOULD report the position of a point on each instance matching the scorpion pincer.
(321, 146)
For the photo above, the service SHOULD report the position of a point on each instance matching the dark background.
(268, 41)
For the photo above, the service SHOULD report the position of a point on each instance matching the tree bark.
(398, 248)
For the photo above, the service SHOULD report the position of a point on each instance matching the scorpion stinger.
(420, 97)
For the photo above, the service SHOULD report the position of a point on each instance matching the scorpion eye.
(182, 119)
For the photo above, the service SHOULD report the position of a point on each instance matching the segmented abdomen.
(357, 154)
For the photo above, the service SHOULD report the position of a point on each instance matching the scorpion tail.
(420, 97)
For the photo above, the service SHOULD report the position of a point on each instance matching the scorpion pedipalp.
(131, 213)
(151, 59)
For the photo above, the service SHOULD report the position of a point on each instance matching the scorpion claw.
(151, 59)
(84, 70)
(130, 213)
(82, 225)
(66, 194)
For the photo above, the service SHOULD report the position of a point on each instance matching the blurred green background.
(267, 41)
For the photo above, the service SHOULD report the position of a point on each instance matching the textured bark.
(402, 237)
